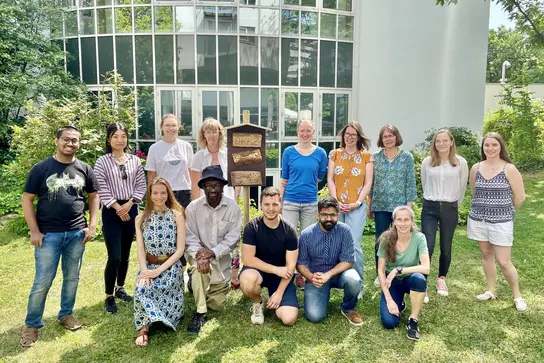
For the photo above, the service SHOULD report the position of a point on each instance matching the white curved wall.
(419, 66)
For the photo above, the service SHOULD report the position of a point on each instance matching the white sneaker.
(426, 298)
(257, 316)
(521, 305)
(377, 282)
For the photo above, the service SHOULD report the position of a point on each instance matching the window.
(86, 18)
(124, 52)
(345, 65)
(308, 23)
(185, 54)
(88, 60)
(249, 20)
(164, 19)
(105, 56)
(104, 20)
(249, 60)
(227, 19)
(142, 19)
(144, 59)
(206, 59)
(308, 63)
(270, 115)
(72, 58)
(270, 61)
(228, 59)
(289, 62)
(289, 22)
(205, 19)
(164, 58)
(327, 63)
(123, 20)
(345, 27)
(249, 100)
(185, 19)
(146, 113)
(270, 22)
(328, 26)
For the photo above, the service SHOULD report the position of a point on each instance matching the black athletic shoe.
(110, 305)
(121, 294)
(196, 324)
(413, 329)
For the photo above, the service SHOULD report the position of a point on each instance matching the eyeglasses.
(217, 187)
(67, 140)
(328, 215)
(123, 171)
(388, 137)
(350, 136)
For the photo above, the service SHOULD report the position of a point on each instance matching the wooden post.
(245, 120)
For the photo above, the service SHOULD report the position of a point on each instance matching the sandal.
(28, 337)
(486, 296)
(521, 305)
(145, 338)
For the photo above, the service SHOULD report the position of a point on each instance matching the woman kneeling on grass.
(498, 191)
(160, 240)
(403, 260)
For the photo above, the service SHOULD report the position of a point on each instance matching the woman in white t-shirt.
(211, 139)
(170, 158)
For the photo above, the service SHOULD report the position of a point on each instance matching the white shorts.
(498, 234)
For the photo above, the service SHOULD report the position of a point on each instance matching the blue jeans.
(69, 246)
(356, 220)
(416, 282)
(316, 300)
(305, 212)
(383, 221)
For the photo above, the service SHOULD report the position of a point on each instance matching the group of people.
(191, 216)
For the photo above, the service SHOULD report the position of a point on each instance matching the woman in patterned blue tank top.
(498, 190)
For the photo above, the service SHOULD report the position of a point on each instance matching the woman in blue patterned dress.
(160, 241)
(394, 182)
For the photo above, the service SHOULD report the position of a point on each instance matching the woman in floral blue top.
(394, 181)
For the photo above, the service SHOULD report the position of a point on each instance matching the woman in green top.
(403, 260)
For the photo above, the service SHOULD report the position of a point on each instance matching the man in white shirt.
(213, 231)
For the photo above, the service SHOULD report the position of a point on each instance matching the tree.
(31, 65)
(527, 14)
(526, 59)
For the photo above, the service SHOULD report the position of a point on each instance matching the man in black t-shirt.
(269, 253)
(58, 227)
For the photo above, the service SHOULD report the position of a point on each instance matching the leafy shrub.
(17, 225)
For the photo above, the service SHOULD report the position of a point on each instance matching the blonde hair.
(167, 116)
(452, 156)
(171, 202)
(211, 124)
(307, 122)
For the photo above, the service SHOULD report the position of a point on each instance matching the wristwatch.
(358, 203)
(399, 270)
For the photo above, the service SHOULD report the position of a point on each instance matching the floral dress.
(163, 300)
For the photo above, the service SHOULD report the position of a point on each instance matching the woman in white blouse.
(211, 139)
(444, 176)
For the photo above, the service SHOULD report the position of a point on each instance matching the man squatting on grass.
(269, 253)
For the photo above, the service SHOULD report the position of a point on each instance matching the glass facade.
(283, 60)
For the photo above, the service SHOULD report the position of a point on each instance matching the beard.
(328, 225)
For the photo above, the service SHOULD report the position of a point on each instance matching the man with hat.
(213, 231)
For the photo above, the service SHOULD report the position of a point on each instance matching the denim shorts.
(498, 234)
(271, 282)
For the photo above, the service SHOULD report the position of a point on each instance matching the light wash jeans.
(356, 220)
(305, 212)
(316, 300)
(69, 246)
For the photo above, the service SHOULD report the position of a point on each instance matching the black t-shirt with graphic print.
(59, 188)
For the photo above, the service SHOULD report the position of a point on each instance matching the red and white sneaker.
(441, 287)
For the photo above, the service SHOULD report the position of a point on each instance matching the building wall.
(420, 66)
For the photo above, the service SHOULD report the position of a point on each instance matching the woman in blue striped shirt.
(122, 186)
(394, 182)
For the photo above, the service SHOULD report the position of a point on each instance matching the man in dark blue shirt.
(325, 259)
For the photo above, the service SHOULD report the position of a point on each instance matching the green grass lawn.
(457, 328)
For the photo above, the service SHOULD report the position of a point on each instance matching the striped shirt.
(321, 251)
(493, 201)
(112, 186)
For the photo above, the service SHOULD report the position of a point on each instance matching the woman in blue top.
(394, 182)
(303, 167)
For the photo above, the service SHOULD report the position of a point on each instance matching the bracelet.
(358, 203)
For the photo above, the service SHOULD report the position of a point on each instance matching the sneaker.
(354, 318)
(426, 299)
(110, 305)
(70, 323)
(28, 337)
(299, 281)
(196, 324)
(441, 287)
(121, 294)
(257, 316)
(488, 295)
(413, 329)
(377, 281)
(521, 305)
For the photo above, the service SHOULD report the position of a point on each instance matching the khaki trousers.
(208, 295)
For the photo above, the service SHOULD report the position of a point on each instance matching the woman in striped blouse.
(122, 186)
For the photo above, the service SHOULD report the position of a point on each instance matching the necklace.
(119, 160)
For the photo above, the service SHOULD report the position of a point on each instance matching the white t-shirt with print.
(171, 161)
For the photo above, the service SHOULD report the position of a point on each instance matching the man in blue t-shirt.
(269, 253)
(326, 261)
(58, 227)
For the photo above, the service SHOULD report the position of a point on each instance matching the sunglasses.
(123, 171)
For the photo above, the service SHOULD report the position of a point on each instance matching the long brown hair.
(452, 156)
(363, 142)
(171, 202)
(503, 154)
(390, 237)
